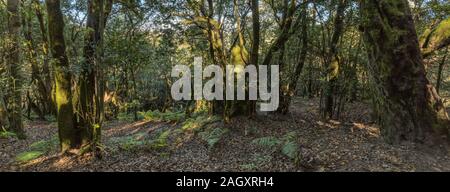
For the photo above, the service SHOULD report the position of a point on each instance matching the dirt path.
(351, 145)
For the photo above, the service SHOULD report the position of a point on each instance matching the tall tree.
(91, 82)
(407, 105)
(254, 54)
(332, 62)
(14, 95)
(292, 79)
(68, 135)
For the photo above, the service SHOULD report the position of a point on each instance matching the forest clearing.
(225, 85)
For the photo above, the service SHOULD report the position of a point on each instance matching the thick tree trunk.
(14, 96)
(407, 104)
(66, 129)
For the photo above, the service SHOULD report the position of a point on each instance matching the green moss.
(28, 156)
(38, 149)
(45, 145)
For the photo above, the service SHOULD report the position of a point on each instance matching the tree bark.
(66, 129)
(407, 104)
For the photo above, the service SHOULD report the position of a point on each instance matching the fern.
(161, 141)
(287, 144)
(290, 149)
(269, 142)
(213, 136)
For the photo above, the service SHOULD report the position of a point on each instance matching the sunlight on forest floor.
(296, 142)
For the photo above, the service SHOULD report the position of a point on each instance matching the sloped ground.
(351, 145)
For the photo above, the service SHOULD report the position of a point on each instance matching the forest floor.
(353, 144)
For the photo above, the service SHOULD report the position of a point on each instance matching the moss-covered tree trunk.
(239, 58)
(68, 134)
(435, 38)
(407, 104)
(14, 95)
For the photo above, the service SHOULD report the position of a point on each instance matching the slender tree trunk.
(46, 73)
(407, 104)
(285, 32)
(41, 94)
(67, 131)
(332, 62)
(254, 55)
(240, 57)
(91, 82)
(289, 89)
(14, 103)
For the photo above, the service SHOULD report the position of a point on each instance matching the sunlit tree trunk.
(408, 106)
(68, 134)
